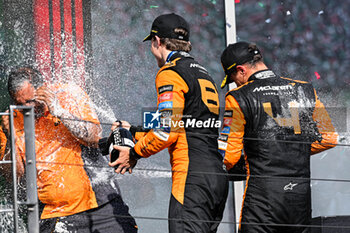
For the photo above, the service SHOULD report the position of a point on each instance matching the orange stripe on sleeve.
(171, 89)
(139, 135)
(325, 127)
(235, 139)
(3, 141)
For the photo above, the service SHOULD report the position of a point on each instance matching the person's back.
(279, 113)
(276, 153)
(201, 104)
(188, 105)
(279, 123)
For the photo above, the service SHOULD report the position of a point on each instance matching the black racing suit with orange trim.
(188, 101)
(272, 119)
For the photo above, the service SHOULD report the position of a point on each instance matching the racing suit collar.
(177, 54)
(262, 74)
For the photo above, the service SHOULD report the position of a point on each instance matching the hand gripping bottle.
(119, 137)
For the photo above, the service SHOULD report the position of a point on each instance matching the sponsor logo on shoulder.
(195, 65)
(290, 186)
(227, 121)
(228, 113)
(166, 96)
(165, 88)
(223, 138)
(184, 54)
(222, 145)
(273, 88)
(165, 105)
(226, 130)
(166, 113)
(265, 74)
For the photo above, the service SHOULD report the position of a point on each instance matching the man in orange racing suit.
(189, 104)
(76, 193)
(279, 123)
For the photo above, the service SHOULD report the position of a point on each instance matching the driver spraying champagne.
(186, 93)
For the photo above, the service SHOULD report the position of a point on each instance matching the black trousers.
(108, 218)
(203, 206)
(270, 207)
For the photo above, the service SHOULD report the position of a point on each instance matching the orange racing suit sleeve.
(3, 142)
(325, 127)
(74, 109)
(171, 89)
(231, 136)
(139, 135)
(5, 151)
(137, 132)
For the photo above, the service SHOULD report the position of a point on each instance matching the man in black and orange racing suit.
(188, 101)
(279, 123)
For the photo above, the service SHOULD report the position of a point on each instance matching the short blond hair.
(176, 44)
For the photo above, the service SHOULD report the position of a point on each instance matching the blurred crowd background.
(301, 37)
